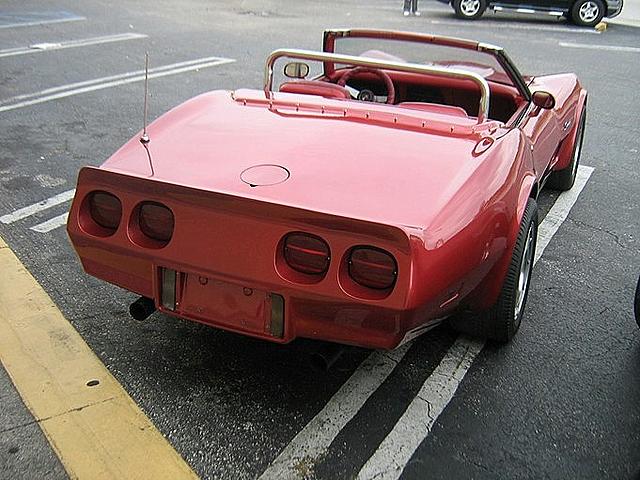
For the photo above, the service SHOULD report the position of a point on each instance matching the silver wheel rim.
(589, 12)
(525, 270)
(469, 7)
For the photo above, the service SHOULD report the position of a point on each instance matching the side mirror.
(296, 70)
(544, 100)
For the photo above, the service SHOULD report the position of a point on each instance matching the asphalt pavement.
(560, 401)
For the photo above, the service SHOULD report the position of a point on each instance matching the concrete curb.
(623, 22)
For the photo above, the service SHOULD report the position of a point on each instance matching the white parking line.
(560, 210)
(65, 17)
(609, 48)
(314, 439)
(52, 224)
(38, 207)
(96, 81)
(512, 26)
(415, 424)
(49, 46)
(395, 451)
(69, 90)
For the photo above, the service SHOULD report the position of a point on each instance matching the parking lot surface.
(560, 401)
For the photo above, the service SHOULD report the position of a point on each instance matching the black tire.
(501, 322)
(636, 303)
(469, 9)
(587, 13)
(565, 178)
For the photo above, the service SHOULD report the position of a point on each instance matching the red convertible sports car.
(367, 193)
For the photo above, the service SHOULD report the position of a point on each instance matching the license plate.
(226, 304)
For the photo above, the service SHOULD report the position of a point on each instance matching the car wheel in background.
(501, 322)
(565, 178)
(587, 13)
(469, 9)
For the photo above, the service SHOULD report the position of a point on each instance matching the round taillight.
(373, 268)
(156, 221)
(105, 210)
(307, 253)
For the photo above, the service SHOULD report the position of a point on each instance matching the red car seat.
(316, 87)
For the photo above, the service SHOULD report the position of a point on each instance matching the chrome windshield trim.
(487, 47)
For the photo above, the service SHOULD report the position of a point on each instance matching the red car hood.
(364, 161)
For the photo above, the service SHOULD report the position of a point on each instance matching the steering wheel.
(391, 91)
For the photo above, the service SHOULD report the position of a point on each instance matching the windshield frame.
(330, 37)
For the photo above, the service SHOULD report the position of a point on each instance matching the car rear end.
(253, 267)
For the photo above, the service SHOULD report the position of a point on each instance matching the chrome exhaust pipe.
(326, 355)
(142, 308)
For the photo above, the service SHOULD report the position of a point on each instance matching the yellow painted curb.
(98, 432)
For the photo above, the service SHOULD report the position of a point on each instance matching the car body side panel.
(547, 129)
(542, 130)
(563, 158)
(508, 209)
(540, 5)
(469, 244)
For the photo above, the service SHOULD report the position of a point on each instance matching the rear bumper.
(228, 273)
(252, 309)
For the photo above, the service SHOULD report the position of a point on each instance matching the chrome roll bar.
(483, 110)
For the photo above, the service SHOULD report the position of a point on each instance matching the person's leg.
(406, 7)
(414, 7)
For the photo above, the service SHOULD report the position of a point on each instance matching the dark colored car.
(587, 13)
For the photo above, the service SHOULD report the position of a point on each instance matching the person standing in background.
(410, 7)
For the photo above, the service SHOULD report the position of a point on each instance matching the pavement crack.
(77, 409)
(44, 419)
(429, 414)
(480, 465)
(429, 408)
(615, 236)
(16, 427)
(390, 357)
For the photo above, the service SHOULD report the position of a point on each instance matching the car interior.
(453, 96)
